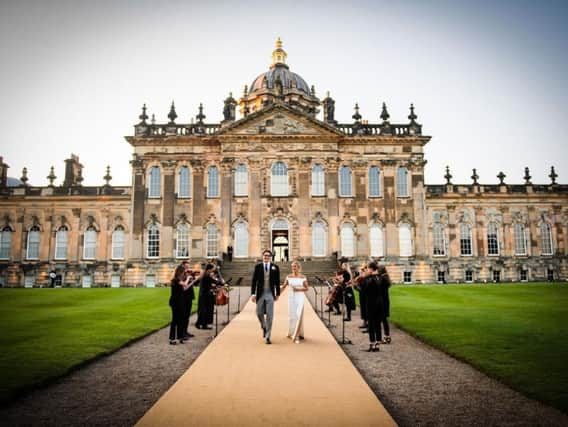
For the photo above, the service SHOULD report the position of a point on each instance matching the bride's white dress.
(295, 308)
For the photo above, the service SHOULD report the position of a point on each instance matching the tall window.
(153, 246)
(405, 240)
(279, 179)
(182, 241)
(155, 182)
(33, 243)
(520, 239)
(345, 186)
(318, 181)
(377, 240)
(212, 181)
(61, 241)
(492, 239)
(439, 239)
(545, 239)
(5, 242)
(184, 182)
(402, 182)
(347, 240)
(212, 241)
(90, 243)
(117, 244)
(241, 240)
(318, 239)
(241, 180)
(465, 240)
(374, 186)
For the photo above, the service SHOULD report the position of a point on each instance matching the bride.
(298, 286)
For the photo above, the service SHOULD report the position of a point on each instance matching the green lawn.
(46, 332)
(516, 333)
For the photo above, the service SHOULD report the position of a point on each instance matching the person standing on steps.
(265, 290)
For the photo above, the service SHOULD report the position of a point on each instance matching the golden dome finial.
(279, 55)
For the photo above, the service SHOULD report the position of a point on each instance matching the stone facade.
(280, 178)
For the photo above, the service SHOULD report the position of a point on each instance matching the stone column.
(226, 203)
(254, 210)
(138, 206)
(199, 213)
(168, 206)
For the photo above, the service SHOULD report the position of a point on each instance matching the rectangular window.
(496, 276)
(155, 182)
(550, 275)
(150, 281)
(441, 277)
(520, 239)
(402, 182)
(468, 276)
(318, 181)
(115, 281)
(523, 275)
(33, 245)
(29, 281)
(374, 187)
(407, 277)
(87, 281)
(90, 244)
(465, 240)
(184, 184)
(492, 239)
(117, 244)
(5, 244)
(213, 182)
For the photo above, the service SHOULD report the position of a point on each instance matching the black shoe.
(173, 342)
(268, 341)
(371, 348)
(347, 319)
(263, 332)
(188, 336)
(365, 331)
(181, 341)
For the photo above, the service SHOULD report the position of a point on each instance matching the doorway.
(280, 246)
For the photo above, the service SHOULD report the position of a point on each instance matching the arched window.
(492, 239)
(347, 236)
(153, 245)
(318, 181)
(117, 250)
(520, 239)
(345, 187)
(545, 239)
(402, 182)
(5, 242)
(438, 239)
(155, 182)
(374, 183)
(241, 180)
(184, 182)
(377, 241)
(466, 247)
(182, 241)
(61, 241)
(241, 240)
(318, 239)
(405, 240)
(212, 241)
(279, 179)
(90, 243)
(32, 251)
(212, 181)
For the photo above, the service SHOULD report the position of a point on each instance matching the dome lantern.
(279, 55)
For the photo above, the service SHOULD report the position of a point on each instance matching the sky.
(489, 80)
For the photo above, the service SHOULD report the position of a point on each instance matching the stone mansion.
(285, 175)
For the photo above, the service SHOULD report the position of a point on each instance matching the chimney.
(73, 170)
(3, 173)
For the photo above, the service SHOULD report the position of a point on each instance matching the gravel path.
(116, 390)
(421, 386)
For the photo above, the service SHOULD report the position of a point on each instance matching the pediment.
(280, 120)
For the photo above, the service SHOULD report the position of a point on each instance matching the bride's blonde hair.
(298, 264)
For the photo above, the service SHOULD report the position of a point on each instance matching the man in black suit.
(265, 290)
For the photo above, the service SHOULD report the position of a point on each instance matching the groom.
(265, 290)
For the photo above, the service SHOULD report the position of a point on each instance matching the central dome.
(288, 78)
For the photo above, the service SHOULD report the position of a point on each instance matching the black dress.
(188, 297)
(206, 303)
(375, 306)
(348, 294)
(177, 327)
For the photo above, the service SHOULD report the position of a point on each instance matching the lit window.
(212, 181)
(279, 179)
(155, 182)
(318, 181)
(184, 182)
(345, 187)
(374, 183)
(241, 180)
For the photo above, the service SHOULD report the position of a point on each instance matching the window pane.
(402, 182)
(212, 241)
(377, 241)
(118, 243)
(213, 182)
(520, 239)
(33, 243)
(347, 241)
(61, 239)
(374, 187)
(153, 249)
(439, 240)
(5, 243)
(345, 181)
(155, 184)
(545, 239)
(90, 244)
(318, 239)
(492, 239)
(465, 240)
(182, 241)
(405, 240)
(279, 179)
(241, 181)
(318, 181)
(241, 240)
(184, 182)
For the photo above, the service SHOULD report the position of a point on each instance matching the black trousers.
(177, 325)
(374, 329)
(385, 324)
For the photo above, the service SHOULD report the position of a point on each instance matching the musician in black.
(347, 290)
(178, 285)
(385, 286)
(375, 305)
(362, 297)
(206, 303)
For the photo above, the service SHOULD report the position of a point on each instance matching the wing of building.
(283, 179)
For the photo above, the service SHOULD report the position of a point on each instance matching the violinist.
(359, 283)
(347, 290)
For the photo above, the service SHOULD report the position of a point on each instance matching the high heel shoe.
(371, 346)
(376, 347)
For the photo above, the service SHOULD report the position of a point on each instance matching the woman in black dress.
(177, 303)
(385, 285)
(206, 303)
(347, 291)
(360, 285)
(375, 306)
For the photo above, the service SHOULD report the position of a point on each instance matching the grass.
(45, 333)
(515, 333)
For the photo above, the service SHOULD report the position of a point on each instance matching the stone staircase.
(324, 268)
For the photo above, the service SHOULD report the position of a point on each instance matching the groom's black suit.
(257, 285)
